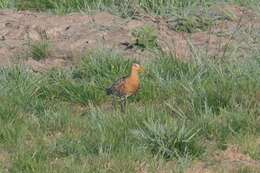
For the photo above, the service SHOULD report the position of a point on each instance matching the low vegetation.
(146, 37)
(39, 50)
(62, 117)
(125, 8)
(62, 121)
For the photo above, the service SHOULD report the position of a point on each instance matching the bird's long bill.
(141, 69)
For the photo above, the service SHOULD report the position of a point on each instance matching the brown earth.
(231, 160)
(73, 35)
(5, 162)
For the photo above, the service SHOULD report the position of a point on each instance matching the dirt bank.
(73, 35)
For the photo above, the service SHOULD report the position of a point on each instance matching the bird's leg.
(122, 103)
(114, 102)
(125, 99)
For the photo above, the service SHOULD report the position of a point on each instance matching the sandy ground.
(71, 36)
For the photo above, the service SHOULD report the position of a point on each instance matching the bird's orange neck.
(134, 75)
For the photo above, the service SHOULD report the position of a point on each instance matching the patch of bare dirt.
(232, 154)
(46, 64)
(231, 160)
(5, 161)
(73, 35)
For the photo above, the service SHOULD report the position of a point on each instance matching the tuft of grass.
(146, 37)
(61, 85)
(4, 3)
(102, 65)
(192, 24)
(34, 5)
(40, 50)
(169, 140)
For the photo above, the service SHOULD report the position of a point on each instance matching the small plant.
(169, 142)
(146, 37)
(191, 24)
(40, 50)
(4, 3)
(38, 5)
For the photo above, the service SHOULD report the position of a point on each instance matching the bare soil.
(231, 160)
(71, 36)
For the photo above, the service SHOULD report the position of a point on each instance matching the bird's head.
(137, 68)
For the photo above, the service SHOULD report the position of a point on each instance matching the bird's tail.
(108, 91)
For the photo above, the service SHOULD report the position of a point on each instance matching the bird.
(126, 86)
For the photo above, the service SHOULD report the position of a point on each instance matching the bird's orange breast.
(130, 86)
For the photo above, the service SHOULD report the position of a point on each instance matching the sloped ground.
(71, 36)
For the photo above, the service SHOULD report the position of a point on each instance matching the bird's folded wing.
(117, 87)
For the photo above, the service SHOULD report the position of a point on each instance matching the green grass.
(146, 37)
(39, 50)
(125, 8)
(62, 120)
(192, 23)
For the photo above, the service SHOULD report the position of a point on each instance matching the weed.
(192, 24)
(168, 141)
(146, 37)
(102, 65)
(4, 3)
(40, 50)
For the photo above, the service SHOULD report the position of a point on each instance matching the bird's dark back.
(115, 88)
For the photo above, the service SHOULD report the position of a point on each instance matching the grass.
(39, 50)
(146, 37)
(192, 23)
(62, 120)
(59, 120)
(124, 8)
